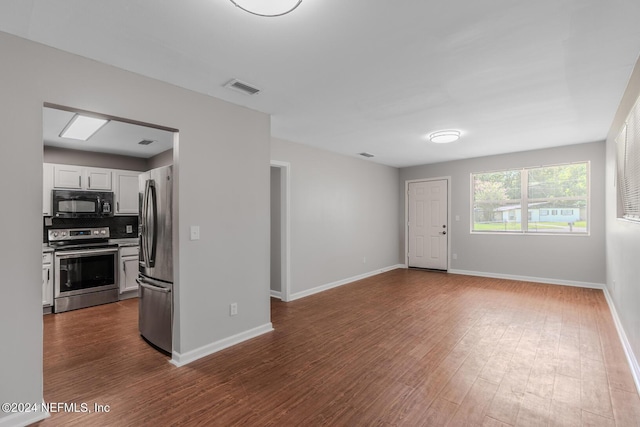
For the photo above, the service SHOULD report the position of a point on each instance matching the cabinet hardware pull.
(79, 181)
(89, 179)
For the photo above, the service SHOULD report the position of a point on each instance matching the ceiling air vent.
(243, 87)
(365, 154)
(146, 142)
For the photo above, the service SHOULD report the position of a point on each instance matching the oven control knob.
(103, 232)
(64, 233)
(55, 234)
(95, 232)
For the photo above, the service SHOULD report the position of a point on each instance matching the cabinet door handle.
(118, 207)
(48, 275)
(89, 181)
(80, 181)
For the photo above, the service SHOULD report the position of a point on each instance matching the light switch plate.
(195, 232)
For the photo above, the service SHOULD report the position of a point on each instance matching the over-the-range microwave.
(82, 204)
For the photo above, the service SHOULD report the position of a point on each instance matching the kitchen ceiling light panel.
(268, 8)
(82, 127)
(444, 136)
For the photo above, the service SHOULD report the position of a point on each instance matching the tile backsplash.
(117, 225)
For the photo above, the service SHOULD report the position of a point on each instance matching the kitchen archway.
(107, 162)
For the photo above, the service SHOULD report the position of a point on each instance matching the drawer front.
(129, 251)
(47, 258)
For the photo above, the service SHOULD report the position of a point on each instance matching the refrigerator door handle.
(152, 287)
(150, 223)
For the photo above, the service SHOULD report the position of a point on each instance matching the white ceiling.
(374, 75)
(116, 137)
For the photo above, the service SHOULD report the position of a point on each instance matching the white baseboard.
(276, 294)
(180, 359)
(22, 419)
(626, 345)
(337, 283)
(530, 279)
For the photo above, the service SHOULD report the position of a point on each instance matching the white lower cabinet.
(47, 281)
(128, 271)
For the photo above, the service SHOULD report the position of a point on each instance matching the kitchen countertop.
(125, 242)
(120, 242)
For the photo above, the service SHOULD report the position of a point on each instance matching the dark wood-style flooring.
(402, 348)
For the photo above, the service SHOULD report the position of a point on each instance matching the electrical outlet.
(129, 229)
(455, 256)
(364, 260)
(233, 309)
(194, 232)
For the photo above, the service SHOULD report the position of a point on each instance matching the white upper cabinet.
(81, 178)
(98, 179)
(126, 192)
(65, 176)
(47, 186)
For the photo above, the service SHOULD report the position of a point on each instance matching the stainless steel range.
(85, 268)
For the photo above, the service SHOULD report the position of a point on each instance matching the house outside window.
(543, 200)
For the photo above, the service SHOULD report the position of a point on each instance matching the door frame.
(285, 230)
(406, 216)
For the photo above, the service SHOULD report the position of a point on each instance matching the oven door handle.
(151, 287)
(85, 252)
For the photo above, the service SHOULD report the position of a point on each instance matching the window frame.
(525, 200)
(626, 145)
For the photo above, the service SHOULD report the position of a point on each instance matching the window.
(547, 199)
(628, 165)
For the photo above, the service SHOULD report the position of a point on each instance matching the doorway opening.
(280, 230)
(109, 161)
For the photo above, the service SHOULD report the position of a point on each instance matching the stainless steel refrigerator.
(156, 257)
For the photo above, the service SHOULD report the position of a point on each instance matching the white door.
(428, 227)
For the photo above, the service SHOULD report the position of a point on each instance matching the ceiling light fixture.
(269, 8)
(82, 127)
(444, 136)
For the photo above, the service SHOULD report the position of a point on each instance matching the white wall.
(564, 259)
(218, 140)
(343, 209)
(91, 158)
(623, 237)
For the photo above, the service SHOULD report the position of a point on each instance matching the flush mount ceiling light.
(82, 127)
(444, 136)
(268, 8)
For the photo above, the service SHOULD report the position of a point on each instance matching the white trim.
(275, 294)
(626, 345)
(23, 419)
(337, 283)
(179, 359)
(406, 216)
(589, 285)
(285, 268)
